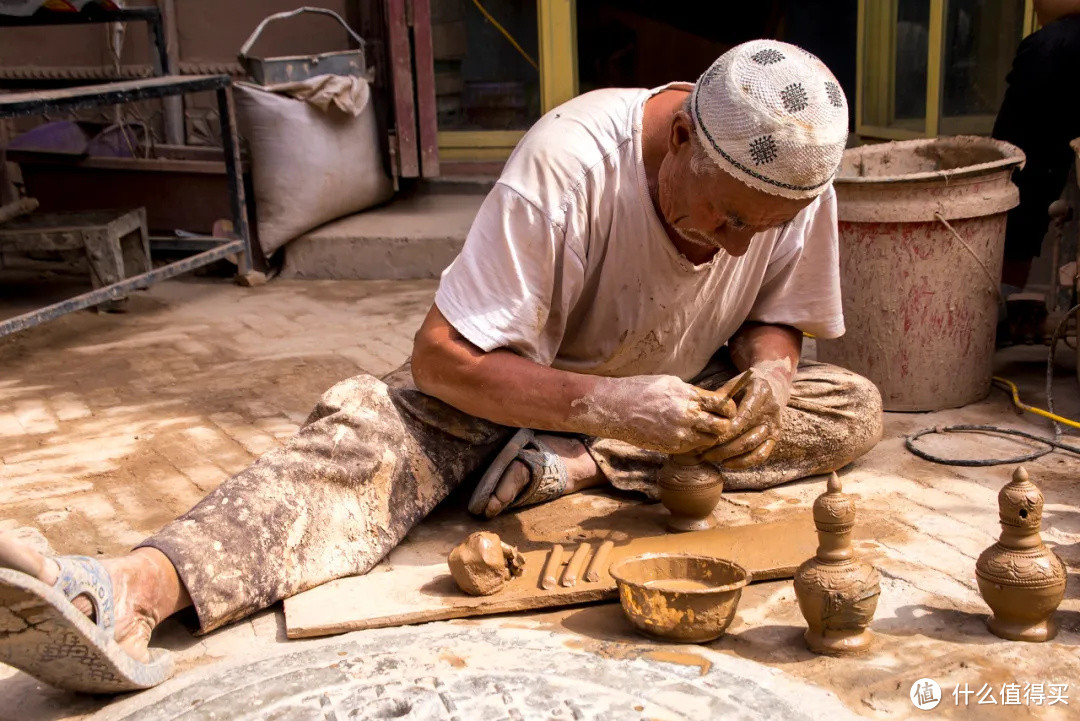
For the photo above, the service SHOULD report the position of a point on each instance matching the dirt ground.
(110, 425)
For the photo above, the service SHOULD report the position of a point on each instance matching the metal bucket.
(922, 234)
(270, 71)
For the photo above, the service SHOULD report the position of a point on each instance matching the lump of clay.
(482, 563)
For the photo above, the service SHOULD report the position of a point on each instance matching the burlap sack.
(309, 165)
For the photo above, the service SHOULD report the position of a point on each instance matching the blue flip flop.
(43, 634)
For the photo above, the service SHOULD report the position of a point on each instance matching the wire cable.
(506, 34)
(1015, 392)
(1051, 444)
(965, 428)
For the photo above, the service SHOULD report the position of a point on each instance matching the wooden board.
(418, 594)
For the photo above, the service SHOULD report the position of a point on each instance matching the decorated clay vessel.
(1021, 580)
(837, 592)
(690, 492)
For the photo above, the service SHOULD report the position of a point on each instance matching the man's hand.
(772, 352)
(659, 413)
(754, 430)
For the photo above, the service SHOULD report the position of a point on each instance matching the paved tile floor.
(110, 425)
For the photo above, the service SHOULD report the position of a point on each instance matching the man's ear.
(681, 131)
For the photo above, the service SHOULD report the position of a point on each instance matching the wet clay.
(1021, 580)
(690, 493)
(550, 577)
(658, 413)
(577, 562)
(682, 659)
(482, 564)
(599, 562)
(837, 593)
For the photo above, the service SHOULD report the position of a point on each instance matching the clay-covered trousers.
(376, 456)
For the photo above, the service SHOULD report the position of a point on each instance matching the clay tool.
(741, 381)
(599, 562)
(551, 569)
(577, 562)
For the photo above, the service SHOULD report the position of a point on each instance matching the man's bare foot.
(146, 589)
(581, 472)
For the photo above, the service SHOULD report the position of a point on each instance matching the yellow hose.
(1032, 409)
(505, 33)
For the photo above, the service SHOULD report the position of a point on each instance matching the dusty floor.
(110, 425)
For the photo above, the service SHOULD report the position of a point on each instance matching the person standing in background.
(1040, 114)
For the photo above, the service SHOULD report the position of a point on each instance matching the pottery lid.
(834, 510)
(1020, 502)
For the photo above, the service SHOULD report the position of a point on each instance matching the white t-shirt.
(567, 263)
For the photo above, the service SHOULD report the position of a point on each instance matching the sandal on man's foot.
(547, 473)
(45, 635)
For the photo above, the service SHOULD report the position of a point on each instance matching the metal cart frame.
(150, 15)
(33, 103)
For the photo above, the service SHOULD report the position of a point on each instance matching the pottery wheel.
(463, 673)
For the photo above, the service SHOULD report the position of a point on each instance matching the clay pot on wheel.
(690, 492)
(1021, 580)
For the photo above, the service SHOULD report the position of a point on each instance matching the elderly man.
(640, 248)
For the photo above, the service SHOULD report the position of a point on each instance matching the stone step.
(412, 237)
(459, 184)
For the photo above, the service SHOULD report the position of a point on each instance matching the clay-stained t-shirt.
(567, 263)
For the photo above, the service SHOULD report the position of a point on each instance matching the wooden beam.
(426, 118)
(401, 78)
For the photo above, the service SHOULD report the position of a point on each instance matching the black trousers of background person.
(1041, 114)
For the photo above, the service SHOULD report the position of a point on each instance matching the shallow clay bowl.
(678, 596)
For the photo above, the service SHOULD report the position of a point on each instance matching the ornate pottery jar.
(1021, 580)
(690, 492)
(837, 593)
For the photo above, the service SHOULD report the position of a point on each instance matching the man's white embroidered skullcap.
(773, 116)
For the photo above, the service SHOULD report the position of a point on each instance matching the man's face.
(714, 210)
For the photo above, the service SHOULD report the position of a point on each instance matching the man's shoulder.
(565, 147)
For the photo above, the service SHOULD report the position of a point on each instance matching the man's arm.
(773, 352)
(657, 412)
(499, 386)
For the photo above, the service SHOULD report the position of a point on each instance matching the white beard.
(695, 237)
